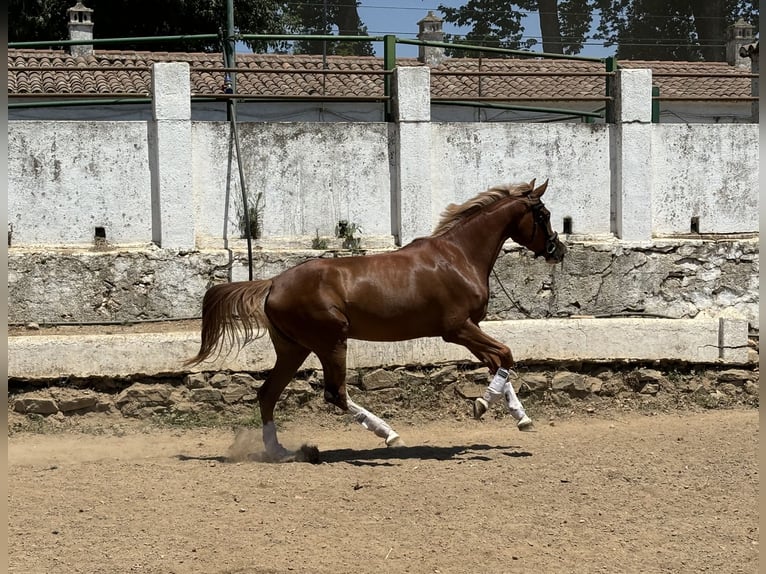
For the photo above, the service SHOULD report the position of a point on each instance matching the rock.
(219, 380)
(33, 326)
(751, 388)
(379, 379)
(299, 389)
(234, 393)
(35, 405)
(411, 377)
(612, 386)
(195, 381)
(469, 390)
(729, 389)
(595, 384)
(650, 389)
(573, 383)
(352, 378)
(735, 376)
(247, 380)
(444, 376)
(80, 403)
(147, 395)
(535, 383)
(649, 376)
(206, 395)
(477, 376)
(639, 378)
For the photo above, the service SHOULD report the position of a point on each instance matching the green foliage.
(318, 242)
(30, 20)
(346, 231)
(324, 18)
(660, 30)
(254, 219)
(563, 23)
(641, 29)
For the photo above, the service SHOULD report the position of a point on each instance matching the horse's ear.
(532, 185)
(539, 191)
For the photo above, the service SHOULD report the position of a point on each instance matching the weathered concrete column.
(631, 156)
(411, 203)
(171, 157)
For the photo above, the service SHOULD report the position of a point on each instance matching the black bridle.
(551, 241)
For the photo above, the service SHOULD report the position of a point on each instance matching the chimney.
(430, 29)
(80, 28)
(737, 35)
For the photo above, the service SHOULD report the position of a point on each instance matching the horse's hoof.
(393, 440)
(525, 424)
(480, 407)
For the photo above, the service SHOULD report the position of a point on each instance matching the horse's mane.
(454, 213)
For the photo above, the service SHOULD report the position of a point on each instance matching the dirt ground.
(619, 493)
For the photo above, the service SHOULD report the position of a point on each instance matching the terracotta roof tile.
(207, 76)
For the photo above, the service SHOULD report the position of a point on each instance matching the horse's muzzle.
(555, 251)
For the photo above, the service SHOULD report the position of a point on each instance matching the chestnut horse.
(436, 286)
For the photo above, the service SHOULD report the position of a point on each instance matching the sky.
(400, 18)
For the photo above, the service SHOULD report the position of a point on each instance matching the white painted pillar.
(411, 201)
(632, 155)
(171, 157)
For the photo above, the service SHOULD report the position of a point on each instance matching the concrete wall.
(705, 171)
(167, 193)
(309, 176)
(67, 178)
(176, 180)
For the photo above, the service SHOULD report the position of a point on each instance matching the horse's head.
(534, 230)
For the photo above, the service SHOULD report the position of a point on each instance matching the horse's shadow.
(386, 456)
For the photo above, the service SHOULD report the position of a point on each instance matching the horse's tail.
(233, 313)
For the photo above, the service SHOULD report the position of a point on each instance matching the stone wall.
(123, 221)
(673, 278)
(428, 390)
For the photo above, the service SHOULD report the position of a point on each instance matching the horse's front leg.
(498, 359)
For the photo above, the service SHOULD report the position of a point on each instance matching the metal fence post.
(611, 65)
(389, 63)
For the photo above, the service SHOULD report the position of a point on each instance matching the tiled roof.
(702, 79)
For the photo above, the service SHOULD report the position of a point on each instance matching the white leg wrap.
(512, 402)
(372, 423)
(274, 450)
(495, 389)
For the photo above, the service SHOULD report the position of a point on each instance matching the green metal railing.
(389, 64)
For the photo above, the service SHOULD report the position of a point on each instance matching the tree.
(30, 20)
(660, 30)
(563, 24)
(47, 20)
(321, 17)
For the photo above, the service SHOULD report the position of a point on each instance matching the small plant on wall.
(319, 242)
(346, 231)
(254, 217)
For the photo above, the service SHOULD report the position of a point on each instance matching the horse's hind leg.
(374, 424)
(334, 367)
(290, 357)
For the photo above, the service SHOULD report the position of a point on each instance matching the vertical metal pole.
(229, 57)
(389, 63)
(655, 105)
(231, 112)
(611, 66)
